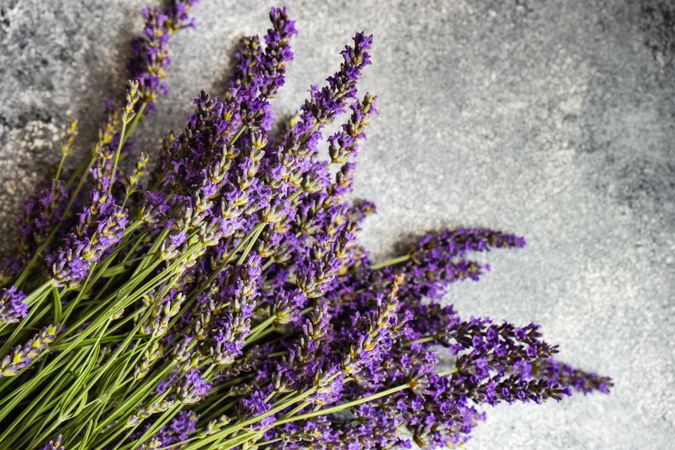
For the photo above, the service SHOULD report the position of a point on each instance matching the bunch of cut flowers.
(220, 299)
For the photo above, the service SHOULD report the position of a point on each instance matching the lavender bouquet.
(220, 299)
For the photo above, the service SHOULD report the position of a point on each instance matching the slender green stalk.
(87, 342)
(136, 120)
(136, 398)
(258, 229)
(240, 440)
(271, 441)
(76, 389)
(118, 151)
(113, 357)
(390, 262)
(259, 336)
(58, 309)
(255, 332)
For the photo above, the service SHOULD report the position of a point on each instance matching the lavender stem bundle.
(220, 298)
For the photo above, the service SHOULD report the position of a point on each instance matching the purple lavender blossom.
(193, 387)
(438, 259)
(566, 375)
(12, 307)
(255, 405)
(99, 228)
(232, 311)
(277, 52)
(41, 214)
(327, 257)
(54, 444)
(290, 160)
(23, 355)
(179, 429)
(149, 51)
(258, 72)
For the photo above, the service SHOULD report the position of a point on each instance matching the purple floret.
(12, 307)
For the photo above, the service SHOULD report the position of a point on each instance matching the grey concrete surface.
(554, 119)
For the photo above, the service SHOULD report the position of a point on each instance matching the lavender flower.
(438, 259)
(567, 376)
(102, 221)
(41, 214)
(54, 445)
(12, 307)
(22, 356)
(230, 316)
(259, 72)
(289, 162)
(277, 52)
(193, 387)
(149, 51)
(496, 367)
(179, 429)
(255, 405)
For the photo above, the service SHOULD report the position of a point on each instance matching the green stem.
(390, 262)
(259, 328)
(271, 441)
(135, 121)
(259, 336)
(60, 166)
(258, 229)
(239, 440)
(58, 307)
(37, 407)
(116, 157)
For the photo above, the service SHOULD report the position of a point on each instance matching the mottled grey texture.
(553, 119)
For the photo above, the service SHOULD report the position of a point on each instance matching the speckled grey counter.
(554, 119)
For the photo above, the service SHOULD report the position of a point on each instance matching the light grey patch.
(626, 126)
(648, 181)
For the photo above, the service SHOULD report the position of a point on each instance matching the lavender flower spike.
(12, 307)
(566, 375)
(278, 51)
(23, 355)
(54, 445)
(101, 222)
(149, 51)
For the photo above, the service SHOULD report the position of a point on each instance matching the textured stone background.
(554, 119)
